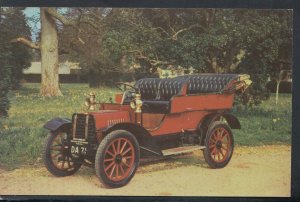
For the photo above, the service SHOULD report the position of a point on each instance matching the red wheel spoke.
(224, 147)
(126, 164)
(108, 160)
(112, 171)
(225, 135)
(224, 150)
(114, 148)
(117, 171)
(212, 146)
(109, 166)
(214, 137)
(108, 152)
(118, 147)
(123, 147)
(213, 151)
(222, 133)
(221, 152)
(219, 155)
(218, 132)
(122, 170)
(126, 151)
(214, 155)
(212, 141)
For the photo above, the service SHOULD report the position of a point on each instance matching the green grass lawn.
(22, 134)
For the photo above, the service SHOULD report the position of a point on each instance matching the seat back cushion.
(208, 83)
(163, 89)
(170, 87)
(148, 88)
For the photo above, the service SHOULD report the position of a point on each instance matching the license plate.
(79, 150)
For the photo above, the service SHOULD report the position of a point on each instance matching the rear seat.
(156, 93)
(209, 83)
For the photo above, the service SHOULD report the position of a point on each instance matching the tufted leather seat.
(156, 93)
(148, 87)
(170, 87)
(209, 83)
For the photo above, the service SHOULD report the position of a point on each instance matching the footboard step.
(181, 150)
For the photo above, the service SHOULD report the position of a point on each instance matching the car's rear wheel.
(57, 155)
(219, 145)
(117, 158)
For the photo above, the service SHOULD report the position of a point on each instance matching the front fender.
(143, 137)
(56, 123)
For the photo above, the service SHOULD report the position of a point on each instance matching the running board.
(181, 150)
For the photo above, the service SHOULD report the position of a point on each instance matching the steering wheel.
(126, 87)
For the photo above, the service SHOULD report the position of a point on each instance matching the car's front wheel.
(57, 155)
(117, 158)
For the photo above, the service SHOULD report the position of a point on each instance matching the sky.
(33, 12)
(33, 19)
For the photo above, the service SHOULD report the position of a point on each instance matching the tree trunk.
(277, 90)
(49, 53)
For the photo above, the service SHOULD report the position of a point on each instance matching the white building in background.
(68, 72)
(64, 68)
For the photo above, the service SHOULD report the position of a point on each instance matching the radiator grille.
(84, 127)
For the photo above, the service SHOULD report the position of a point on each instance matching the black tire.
(215, 153)
(58, 158)
(114, 156)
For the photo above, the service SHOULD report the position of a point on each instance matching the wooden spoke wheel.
(57, 155)
(219, 145)
(117, 158)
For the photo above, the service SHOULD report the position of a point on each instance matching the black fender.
(232, 121)
(207, 120)
(58, 123)
(145, 140)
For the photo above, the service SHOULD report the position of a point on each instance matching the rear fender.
(58, 124)
(232, 121)
(145, 140)
(206, 122)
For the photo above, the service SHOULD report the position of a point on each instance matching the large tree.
(21, 55)
(51, 19)
(5, 70)
(210, 40)
(13, 58)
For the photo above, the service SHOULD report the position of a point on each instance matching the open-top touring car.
(155, 117)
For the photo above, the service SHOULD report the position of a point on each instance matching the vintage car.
(154, 117)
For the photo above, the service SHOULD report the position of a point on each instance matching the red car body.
(177, 115)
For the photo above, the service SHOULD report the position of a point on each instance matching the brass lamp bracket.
(137, 103)
(90, 101)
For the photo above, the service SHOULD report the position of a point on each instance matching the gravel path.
(253, 171)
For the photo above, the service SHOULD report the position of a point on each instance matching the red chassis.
(156, 117)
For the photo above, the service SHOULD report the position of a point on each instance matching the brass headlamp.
(90, 101)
